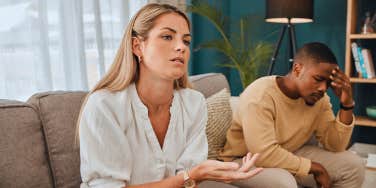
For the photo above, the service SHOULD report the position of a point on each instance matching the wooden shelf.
(363, 80)
(363, 36)
(352, 29)
(365, 121)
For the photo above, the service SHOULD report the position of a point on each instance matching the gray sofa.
(37, 137)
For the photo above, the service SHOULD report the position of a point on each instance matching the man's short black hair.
(316, 51)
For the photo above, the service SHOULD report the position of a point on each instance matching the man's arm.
(334, 133)
(331, 131)
(257, 119)
(342, 88)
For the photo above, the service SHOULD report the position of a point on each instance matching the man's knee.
(285, 179)
(352, 168)
(357, 165)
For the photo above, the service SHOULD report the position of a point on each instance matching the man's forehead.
(324, 68)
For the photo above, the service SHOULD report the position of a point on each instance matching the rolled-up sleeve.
(104, 148)
(196, 148)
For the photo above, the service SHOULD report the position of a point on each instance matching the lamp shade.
(280, 11)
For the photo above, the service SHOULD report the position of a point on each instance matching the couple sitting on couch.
(141, 126)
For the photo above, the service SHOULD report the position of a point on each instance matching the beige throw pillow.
(219, 120)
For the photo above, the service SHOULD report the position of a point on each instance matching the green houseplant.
(248, 57)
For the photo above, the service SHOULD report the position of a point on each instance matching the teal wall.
(329, 27)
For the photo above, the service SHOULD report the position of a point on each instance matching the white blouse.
(118, 146)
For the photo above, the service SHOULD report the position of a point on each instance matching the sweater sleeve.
(258, 121)
(330, 131)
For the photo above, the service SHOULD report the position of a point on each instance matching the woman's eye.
(167, 37)
(187, 42)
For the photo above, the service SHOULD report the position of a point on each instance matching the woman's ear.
(136, 46)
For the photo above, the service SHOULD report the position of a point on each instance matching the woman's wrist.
(194, 174)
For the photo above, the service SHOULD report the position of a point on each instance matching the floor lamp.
(288, 12)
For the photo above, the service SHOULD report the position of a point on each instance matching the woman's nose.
(180, 46)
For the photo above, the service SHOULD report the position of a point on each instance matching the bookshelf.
(352, 34)
(365, 121)
(362, 36)
(363, 80)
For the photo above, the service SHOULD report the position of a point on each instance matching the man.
(277, 115)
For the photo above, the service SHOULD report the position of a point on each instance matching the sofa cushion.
(23, 157)
(59, 113)
(209, 84)
(219, 120)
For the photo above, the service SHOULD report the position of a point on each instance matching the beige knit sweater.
(268, 122)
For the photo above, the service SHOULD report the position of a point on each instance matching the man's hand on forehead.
(341, 85)
(338, 78)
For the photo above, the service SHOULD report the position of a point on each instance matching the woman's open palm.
(226, 171)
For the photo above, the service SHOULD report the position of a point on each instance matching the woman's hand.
(225, 171)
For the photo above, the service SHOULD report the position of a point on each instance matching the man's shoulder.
(261, 92)
(261, 86)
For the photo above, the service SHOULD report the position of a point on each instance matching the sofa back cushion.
(59, 113)
(219, 121)
(23, 159)
(209, 84)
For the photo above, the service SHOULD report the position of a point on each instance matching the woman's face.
(165, 52)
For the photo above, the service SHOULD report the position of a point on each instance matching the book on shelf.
(363, 61)
(368, 63)
(354, 49)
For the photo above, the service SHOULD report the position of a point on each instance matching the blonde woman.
(142, 126)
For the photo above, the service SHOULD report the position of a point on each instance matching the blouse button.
(161, 161)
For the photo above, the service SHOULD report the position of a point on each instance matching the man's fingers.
(339, 83)
(343, 77)
(339, 76)
(336, 78)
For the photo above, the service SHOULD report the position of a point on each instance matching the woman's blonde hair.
(125, 69)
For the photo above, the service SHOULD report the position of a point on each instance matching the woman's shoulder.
(192, 101)
(104, 97)
(191, 95)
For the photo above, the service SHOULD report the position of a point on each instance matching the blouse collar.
(136, 100)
